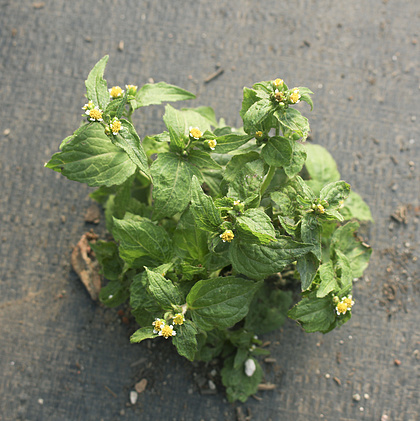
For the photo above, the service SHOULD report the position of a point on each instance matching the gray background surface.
(63, 357)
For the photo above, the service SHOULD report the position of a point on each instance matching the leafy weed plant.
(214, 226)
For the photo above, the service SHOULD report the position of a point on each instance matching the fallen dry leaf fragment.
(86, 267)
(93, 214)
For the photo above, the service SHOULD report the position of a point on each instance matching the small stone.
(133, 397)
(356, 397)
(141, 386)
(327, 376)
(212, 386)
(121, 46)
(366, 396)
(250, 367)
(397, 362)
(361, 409)
(6, 132)
(384, 417)
(41, 401)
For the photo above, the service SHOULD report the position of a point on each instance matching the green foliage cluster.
(214, 226)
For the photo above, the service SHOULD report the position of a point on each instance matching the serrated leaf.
(255, 226)
(202, 160)
(277, 151)
(335, 193)
(305, 95)
(206, 215)
(140, 237)
(163, 290)
(328, 279)
(310, 232)
(172, 177)
(259, 261)
(106, 252)
(96, 86)
(313, 313)
(157, 93)
(220, 302)
(307, 267)
(91, 158)
(257, 113)
(230, 142)
(356, 207)
(142, 334)
(114, 293)
(297, 160)
(140, 297)
(292, 119)
(185, 340)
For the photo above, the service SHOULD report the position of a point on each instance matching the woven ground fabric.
(63, 357)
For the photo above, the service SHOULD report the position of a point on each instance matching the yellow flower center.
(341, 307)
(132, 89)
(294, 97)
(320, 209)
(115, 91)
(167, 331)
(116, 126)
(227, 236)
(258, 134)
(95, 114)
(212, 143)
(278, 82)
(158, 324)
(348, 302)
(195, 132)
(179, 319)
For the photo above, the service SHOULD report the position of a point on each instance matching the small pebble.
(384, 417)
(366, 396)
(356, 397)
(361, 409)
(41, 401)
(133, 397)
(212, 386)
(327, 376)
(6, 132)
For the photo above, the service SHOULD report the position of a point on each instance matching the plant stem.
(267, 179)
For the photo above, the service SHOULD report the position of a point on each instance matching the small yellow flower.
(236, 202)
(320, 208)
(227, 236)
(341, 308)
(158, 325)
(277, 83)
(279, 97)
(348, 301)
(178, 319)
(341, 204)
(131, 89)
(295, 96)
(115, 92)
(115, 126)
(195, 133)
(258, 134)
(88, 106)
(212, 143)
(166, 331)
(95, 114)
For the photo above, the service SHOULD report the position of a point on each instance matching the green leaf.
(129, 141)
(106, 252)
(257, 113)
(297, 161)
(142, 334)
(310, 232)
(305, 96)
(207, 113)
(185, 340)
(335, 193)
(202, 160)
(307, 267)
(277, 151)
(321, 166)
(268, 310)
(220, 302)
(206, 215)
(292, 119)
(356, 207)
(172, 177)
(230, 142)
(238, 385)
(188, 238)
(328, 280)
(114, 293)
(140, 237)
(141, 299)
(163, 290)
(91, 158)
(258, 261)
(313, 313)
(255, 226)
(96, 86)
(160, 92)
(358, 253)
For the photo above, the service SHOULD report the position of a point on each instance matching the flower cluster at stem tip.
(92, 111)
(115, 92)
(344, 305)
(114, 126)
(161, 328)
(227, 236)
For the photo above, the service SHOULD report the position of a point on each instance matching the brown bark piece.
(85, 265)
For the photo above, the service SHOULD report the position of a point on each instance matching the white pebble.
(366, 396)
(41, 401)
(133, 397)
(250, 367)
(356, 397)
(212, 386)
(327, 376)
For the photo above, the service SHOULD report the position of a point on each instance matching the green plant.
(214, 226)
